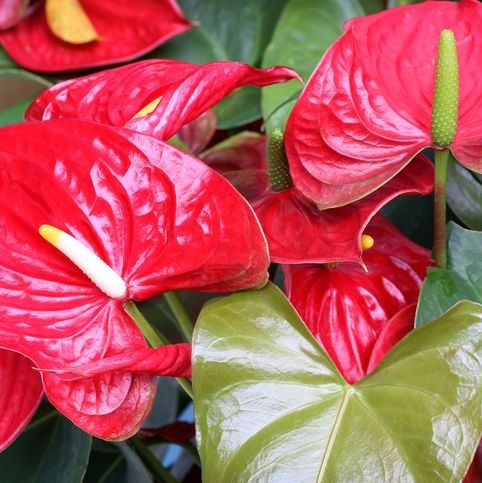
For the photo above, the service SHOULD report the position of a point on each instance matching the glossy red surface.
(366, 110)
(298, 232)
(126, 29)
(11, 11)
(349, 309)
(158, 217)
(187, 90)
(20, 395)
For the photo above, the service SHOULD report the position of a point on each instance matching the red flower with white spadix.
(93, 217)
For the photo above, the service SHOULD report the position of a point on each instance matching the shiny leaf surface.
(305, 30)
(125, 30)
(274, 407)
(462, 280)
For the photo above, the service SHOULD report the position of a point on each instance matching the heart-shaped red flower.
(125, 30)
(366, 110)
(158, 218)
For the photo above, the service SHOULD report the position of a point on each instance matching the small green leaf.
(304, 32)
(464, 194)
(271, 406)
(462, 280)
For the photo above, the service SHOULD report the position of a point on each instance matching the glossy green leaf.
(227, 30)
(50, 450)
(304, 32)
(464, 194)
(271, 406)
(462, 280)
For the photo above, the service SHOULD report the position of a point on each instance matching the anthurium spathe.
(60, 35)
(156, 97)
(93, 216)
(355, 314)
(20, 396)
(371, 104)
(299, 232)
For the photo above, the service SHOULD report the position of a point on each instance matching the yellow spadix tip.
(148, 108)
(367, 242)
(50, 233)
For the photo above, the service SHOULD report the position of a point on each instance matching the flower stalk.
(440, 208)
(181, 317)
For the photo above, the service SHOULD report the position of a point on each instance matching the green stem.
(182, 318)
(440, 208)
(151, 462)
(154, 338)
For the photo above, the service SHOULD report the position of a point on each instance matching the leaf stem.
(151, 462)
(440, 208)
(154, 338)
(183, 321)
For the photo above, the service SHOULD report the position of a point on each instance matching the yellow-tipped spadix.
(96, 269)
(367, 242)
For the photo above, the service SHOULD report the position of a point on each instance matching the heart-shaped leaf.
(304, 31)
(462, 280)
(271, 406)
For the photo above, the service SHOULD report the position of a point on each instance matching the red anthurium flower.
(367, 109)
(78, 34)
(156, 97)
(298, 232)
(91, 217)
(20, 396)
(359, 315)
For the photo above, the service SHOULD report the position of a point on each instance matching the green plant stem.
(440, 208)
(153, 337)
(181, 317)
(151, 462)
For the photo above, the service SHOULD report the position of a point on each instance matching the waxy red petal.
(20, 395)
(346, 308)
(187, 90)
(185, 227)
(112, 96)
(366, 110)
(126, 30)
(392, 333)
(169, 360)
(298, 232)
(216, 243)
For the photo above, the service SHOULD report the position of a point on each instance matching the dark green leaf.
(372, 6)
(51, 449)
(464, 194)
(304, 32)
(240, 108)
(271, 406)
(462, 280)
